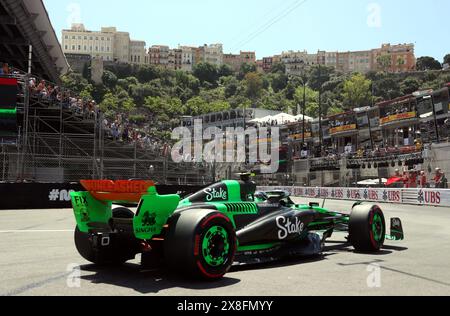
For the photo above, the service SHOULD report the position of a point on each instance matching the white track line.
(34, 231)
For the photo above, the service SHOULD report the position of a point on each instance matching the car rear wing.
(93, 208)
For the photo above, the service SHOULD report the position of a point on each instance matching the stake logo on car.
(214, 195)
(286, 227)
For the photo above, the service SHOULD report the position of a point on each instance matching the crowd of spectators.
(397, 109)
(339, 123)
(412, 179)
(121, 129)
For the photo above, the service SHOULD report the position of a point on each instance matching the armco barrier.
(431, 197)
(14, 196)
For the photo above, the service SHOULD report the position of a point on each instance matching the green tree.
(428, 63)
(278, 67)
(206, 73)
(109, 79)
(312, 100)
(357, 92)
(384, 62)
(254, 84)
(225, 71)
(279, 81)
(247, 68)
(410, 85)
(110, 103)
(319, 75)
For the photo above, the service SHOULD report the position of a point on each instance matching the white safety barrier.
(430, 197)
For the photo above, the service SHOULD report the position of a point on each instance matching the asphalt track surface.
(37, 256)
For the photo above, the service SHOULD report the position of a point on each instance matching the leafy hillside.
(158, 97)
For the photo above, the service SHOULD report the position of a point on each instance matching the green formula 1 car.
(206, 233)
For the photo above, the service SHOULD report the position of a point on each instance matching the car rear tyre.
(201, 243)
(367, 228)
(84, 245)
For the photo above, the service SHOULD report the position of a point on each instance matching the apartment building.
(187, 57)
(402, 60)
(138, 53)
(159, 55)
(402, 57)
(267, 63)
(107, 44)
(175, 59)
(213, 54)
(233, 60)
(297, 61)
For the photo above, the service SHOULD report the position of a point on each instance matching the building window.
(79, 47)
(73, 47)
(66, 48)
(66, 37)
(73, 37)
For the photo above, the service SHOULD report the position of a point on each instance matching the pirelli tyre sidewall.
(200, 243)
(367, 228)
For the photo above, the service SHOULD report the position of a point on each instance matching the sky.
(268, 26)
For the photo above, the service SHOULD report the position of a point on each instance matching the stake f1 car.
(206, 233)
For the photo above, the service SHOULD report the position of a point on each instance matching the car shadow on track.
(133, 276)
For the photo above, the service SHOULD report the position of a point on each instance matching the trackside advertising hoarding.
(433, 197)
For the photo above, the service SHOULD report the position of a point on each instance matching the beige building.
(213, 54)
(187, 57)
(138, 53)
(107, 44)
(297, 62)
(175, 59)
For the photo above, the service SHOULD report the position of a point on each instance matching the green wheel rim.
(377, 228)
(215, 246)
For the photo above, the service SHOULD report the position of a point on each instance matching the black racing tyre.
(85, 248)
(367, 228)
(122, 212)
(201, 244)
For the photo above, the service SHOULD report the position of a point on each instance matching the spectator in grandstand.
(348, 149)
(412, 180)
(440, 180)
(304, 153)
(42, 89)
(5, 71)
(423, 183)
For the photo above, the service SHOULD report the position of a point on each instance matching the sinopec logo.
(432, 197)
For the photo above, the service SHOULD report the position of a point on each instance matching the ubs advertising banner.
(433, 197)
